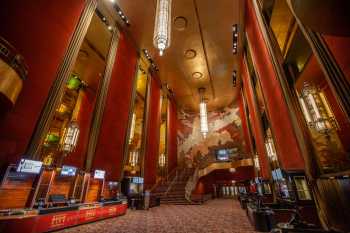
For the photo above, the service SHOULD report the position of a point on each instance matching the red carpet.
(216, 216)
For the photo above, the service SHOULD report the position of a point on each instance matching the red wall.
(340, 47)
(255, 122)
(205, 184)
(153, 134)
(41, 31)
(246, 137)
(286, 142)
(110, 147)
(172, 135)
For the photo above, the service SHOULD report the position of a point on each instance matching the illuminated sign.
(29, 166)
(99, 174)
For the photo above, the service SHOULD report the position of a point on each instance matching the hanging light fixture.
(203, 113)
(316, 109)
(70, 137)
(162, 26)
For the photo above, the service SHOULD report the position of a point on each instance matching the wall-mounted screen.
(99, 174)
(279, 174)
(68, 171)
(29, 166)
(137, 180)
(225, 154)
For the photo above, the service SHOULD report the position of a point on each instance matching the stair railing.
(191, 184)
(172, 182)
(168, 177)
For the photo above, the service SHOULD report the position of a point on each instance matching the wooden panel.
(94, 190)
(15, 190)
(44, 185)
(62, 185)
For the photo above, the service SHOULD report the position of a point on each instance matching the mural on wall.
(224, 133)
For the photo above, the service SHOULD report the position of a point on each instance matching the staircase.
(173, 190)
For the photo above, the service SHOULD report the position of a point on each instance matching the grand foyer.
(174, 116)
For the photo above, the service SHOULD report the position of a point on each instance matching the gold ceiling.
(200, 54)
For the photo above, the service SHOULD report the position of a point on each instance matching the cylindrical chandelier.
(316, 109)
(203, 112)
(162, 26)
(70, 137)
(203, 118)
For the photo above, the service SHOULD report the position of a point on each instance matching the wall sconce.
(134, 158)
(270, 148)
(70, 137)
(132, 129)
(316, 109)
(257, 162)
(162, 160)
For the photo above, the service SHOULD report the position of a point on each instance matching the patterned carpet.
(216, 216)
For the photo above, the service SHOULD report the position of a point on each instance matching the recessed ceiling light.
(197, 75)
(180, 23)
(190, 54)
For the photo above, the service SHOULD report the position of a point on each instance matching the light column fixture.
(203, 113)
(134, 158)
(270, 148)
(70, 137)
(316, 109)
(162, 161)
(132, 129)
(162, 26)
(257, 162)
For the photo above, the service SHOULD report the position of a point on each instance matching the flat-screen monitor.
(29, 166)
(278, 173)
(68, 170)
(225, 154)
(222, 155)
(137, 180)
(99, 174)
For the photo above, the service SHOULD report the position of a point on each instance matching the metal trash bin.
(263, 220)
